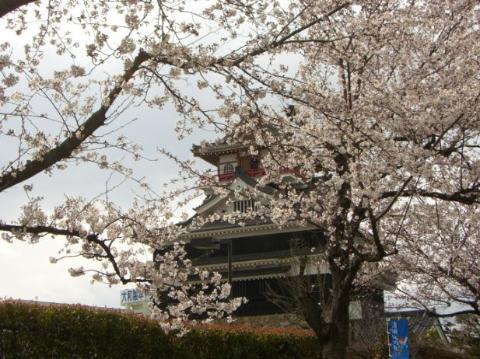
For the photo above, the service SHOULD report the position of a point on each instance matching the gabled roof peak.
(216, 148)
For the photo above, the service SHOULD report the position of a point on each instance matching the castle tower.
(256, 255)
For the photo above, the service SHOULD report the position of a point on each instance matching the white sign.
(130, 296)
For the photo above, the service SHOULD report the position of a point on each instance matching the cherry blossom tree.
(107, 58)
(380, 123)
(377, 115)
(440, 264)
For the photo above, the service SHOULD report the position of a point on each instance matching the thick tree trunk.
(330, 321)
(335, 343)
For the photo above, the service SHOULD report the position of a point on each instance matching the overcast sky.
(25, 270)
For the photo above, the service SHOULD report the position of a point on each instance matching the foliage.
(71, 331)
(294, 331)
(71, 70)
(465, 334)
(380, 125)
(378, 122)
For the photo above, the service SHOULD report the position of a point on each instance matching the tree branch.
(93, 238)
(283, 40)
(468, 196)
(65, 149)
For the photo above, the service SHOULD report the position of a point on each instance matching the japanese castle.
(257, 255)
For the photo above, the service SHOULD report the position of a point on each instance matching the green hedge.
(71, 331)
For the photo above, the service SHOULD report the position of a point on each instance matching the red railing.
(223, 177)
(226, 176)
(256, 172)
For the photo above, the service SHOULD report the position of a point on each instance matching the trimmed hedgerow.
(60, 331)
(73, 331)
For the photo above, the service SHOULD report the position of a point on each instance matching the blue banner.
(398, 339)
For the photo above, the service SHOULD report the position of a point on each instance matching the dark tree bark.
(326, 309)
(332, 334)
(7, 6)
(336, 339)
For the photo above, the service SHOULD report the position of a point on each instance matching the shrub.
(74, 331)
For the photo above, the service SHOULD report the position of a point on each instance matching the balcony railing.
(256, 172)
(226, 176)
(223, 177)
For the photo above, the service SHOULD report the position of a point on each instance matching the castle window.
(228, 168)
(226, 171)
(244, 206)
